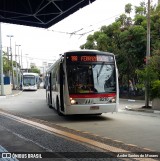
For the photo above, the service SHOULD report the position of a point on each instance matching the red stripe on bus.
(92, 95)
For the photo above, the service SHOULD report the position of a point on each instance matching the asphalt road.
(130, 127)
(19, 137)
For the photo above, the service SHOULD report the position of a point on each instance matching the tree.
(141, 10)
(126, 38)
(6, 64)
(123, 19)
(153, 71)
(128, 8)
(34, 69)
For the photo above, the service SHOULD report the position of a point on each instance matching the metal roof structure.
(38, 13)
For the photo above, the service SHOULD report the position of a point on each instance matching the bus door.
(49, 88)
(61, 79)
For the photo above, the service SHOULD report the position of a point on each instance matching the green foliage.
(139, 19)
(155, 89)
(90, 44)
(151, 73)
(128, 8)
(6, 64)
(127, 39)
(34, 69)
(122, 19)
(141, 10)
(147, 73)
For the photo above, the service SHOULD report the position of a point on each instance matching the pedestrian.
(131, 88)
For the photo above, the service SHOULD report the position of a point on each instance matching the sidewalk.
(14, 93)
(136, 105)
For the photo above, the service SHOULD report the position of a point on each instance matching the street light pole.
(10, 36)
(17, 55)
(147, 57)
(9, 72)
(21, 60)
(27, 62)
(19, 65)
(1, 64)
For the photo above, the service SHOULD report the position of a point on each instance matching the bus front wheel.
(58, 107)
(49, 102)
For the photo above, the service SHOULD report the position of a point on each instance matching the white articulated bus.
(30, 81)
(83, 82)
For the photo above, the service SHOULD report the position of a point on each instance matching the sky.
(44, 45)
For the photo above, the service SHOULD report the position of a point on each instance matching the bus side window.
(48, 81)
(54, 80)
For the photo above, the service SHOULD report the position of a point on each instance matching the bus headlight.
(113, 100)
(73, 101)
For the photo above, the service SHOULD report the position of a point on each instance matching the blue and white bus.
(83, 82)
(30, 81)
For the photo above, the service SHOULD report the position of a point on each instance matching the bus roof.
(78, 52)
(31, 74)
(89, 51)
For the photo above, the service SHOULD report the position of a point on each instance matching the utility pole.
(21, 60)
(27, 62)
(19, 66)
(1, 64)
(16, 67)
(20, 70)
(10, 36)
(9, 74)
(147, 57)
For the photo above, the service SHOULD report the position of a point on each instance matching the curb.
(142, 110)
(131, 100)
(16, 94)
(11, 95)
(1, 97)
(156, 111)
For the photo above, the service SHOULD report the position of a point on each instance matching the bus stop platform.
(13, 93)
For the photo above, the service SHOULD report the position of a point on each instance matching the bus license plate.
(94, 107)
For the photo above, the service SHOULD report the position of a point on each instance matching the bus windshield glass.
(29, 80)
(91, 78)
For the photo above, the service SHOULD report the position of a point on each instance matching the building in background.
(44, 67)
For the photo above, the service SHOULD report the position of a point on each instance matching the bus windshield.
(91, 78)
(29, 80)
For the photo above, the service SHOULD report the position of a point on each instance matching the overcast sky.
(49, 43)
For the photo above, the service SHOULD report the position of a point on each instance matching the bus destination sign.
(90, 58)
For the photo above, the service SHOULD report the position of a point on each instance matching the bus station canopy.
(38, 13)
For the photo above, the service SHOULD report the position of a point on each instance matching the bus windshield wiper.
(99, 73)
